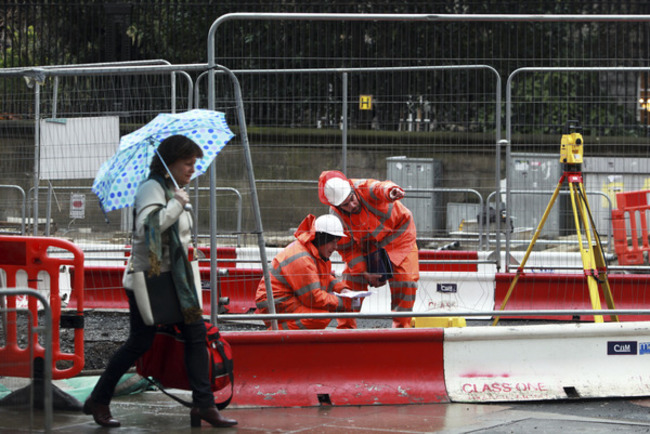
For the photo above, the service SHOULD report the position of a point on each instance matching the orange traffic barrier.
(35, 262)
(630, 225)
(338, 367)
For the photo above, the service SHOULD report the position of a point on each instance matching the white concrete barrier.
(504, 363)
(455, 291)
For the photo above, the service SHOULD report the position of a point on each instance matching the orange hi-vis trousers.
(403, 286)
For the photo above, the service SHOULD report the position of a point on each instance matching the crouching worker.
(301, 276)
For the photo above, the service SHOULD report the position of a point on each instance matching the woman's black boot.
(211, 415)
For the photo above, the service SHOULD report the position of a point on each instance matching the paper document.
(348, 293)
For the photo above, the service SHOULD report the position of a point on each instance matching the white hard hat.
(329, 224)
(337, 190)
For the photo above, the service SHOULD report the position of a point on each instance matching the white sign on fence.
(77, 206)
(75, 148)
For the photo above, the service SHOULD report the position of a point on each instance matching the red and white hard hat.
(329, 224)
(337, 190)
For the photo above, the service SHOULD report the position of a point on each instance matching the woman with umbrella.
(160, 244)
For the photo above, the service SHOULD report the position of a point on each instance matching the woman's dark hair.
(321, 238)
(171, 149)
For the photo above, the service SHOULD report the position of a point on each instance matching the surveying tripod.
(591, 251)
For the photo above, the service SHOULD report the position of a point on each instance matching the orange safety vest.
(300, 277)
(381, 222)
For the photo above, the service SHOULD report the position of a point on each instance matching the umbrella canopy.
(117, 180)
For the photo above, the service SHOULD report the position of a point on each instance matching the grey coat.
(149, 197)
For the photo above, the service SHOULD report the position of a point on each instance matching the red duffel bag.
(165, 363)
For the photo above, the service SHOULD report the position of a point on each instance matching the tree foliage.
(49, 32)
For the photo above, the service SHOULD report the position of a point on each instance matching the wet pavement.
(151, 411)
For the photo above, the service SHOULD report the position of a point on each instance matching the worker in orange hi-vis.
(301, 276)
(377, 224)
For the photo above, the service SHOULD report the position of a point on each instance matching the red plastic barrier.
(447, 255)
(338, 367)
(104, 290)
(37, 258)
(222, 253)
(631, 213)
(570, 291)
(240, 286)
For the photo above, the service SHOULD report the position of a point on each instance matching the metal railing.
(608, 242)
(42, 330)
(238, 230)
(451, 190)
(22, 207)
(463, 314)
(126, 223)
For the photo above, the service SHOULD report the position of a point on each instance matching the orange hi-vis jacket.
(382, 222)
(301, 280)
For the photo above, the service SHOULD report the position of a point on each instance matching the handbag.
(155, 296)
(165, 362)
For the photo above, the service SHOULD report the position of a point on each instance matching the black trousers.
(140, 340)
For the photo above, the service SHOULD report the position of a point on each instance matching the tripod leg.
(586, 253)
(538, 232)
(599, 259)
(602, 277)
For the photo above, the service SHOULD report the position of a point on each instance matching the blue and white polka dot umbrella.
(118, 178)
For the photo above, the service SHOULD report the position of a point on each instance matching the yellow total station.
(571, 149)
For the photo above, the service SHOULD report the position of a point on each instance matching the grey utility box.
(534, 177)
(419, 174)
